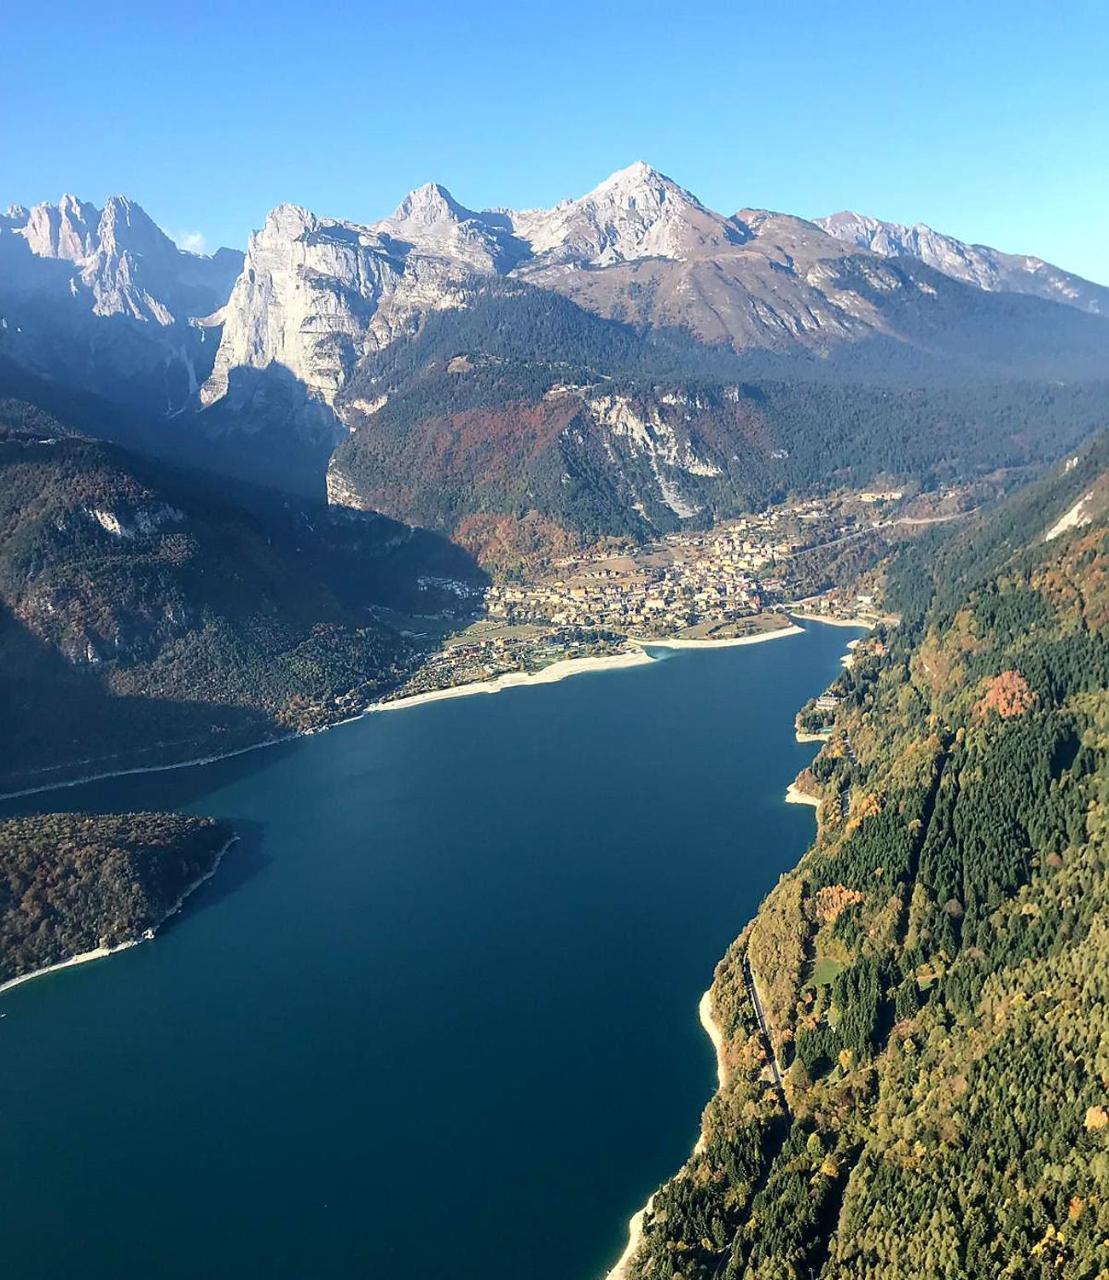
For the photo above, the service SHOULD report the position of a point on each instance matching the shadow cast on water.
(244, 860)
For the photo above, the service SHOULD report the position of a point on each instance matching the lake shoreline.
(554, 673)
(101, 953)
(794, 795)
(708, 1022)
(868, 623)
(713, 1030)
(675, 642)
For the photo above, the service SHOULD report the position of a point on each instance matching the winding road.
(752, 991)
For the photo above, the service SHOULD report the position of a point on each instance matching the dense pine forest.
(934, 974)
(72, 883)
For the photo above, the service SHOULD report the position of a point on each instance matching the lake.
(436, 1016)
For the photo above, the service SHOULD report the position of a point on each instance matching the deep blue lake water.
(436, 1017)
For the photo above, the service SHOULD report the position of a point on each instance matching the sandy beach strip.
(635, 1236)
(868, 623)
(99, 953)
(796, 796)
(803, 735)
(675, 643)
(712, 1029)
(552, 674)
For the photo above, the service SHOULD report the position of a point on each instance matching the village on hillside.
(742, 578)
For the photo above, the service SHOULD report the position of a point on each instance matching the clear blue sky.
(986, 120)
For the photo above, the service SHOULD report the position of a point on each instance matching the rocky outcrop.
(316, 293)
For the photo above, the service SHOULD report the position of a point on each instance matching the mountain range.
(622, 363)
(319, 295)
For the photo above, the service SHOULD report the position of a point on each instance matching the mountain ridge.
(976, 264)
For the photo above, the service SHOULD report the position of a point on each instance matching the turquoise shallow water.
(436, 1016)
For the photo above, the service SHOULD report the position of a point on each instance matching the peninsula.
(75, 887)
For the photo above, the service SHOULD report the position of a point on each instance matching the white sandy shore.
(796, 796)
(712, 1029)
(635, 1235)
(803, 735)
(673, 643)
(516, 679)
(868, 623)
(98, 953)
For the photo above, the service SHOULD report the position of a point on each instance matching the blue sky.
(986, 120)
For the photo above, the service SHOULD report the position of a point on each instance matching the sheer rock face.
(125, 264)
(974, 264)
(102, 299)
(316, 293)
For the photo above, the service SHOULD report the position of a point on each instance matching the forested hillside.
(525, 413)
(72, 883)
(145, 618)
(934, 975)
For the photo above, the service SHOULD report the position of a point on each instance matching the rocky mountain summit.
(636, 213)
(103, 298)
(975, 264)
(124, 261)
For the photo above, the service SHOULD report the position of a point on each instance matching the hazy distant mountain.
(126, 262)
(975, 264)
(103, 299)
